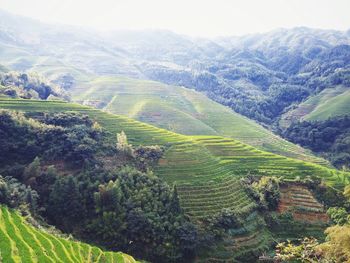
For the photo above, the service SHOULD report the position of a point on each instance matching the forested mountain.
(263, 76)
(260, 76)
(70, 58)
(262, 81)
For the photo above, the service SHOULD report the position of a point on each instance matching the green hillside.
(181, 110)
(50, 66)
(206, 169)
(336, 106)
(330, 102)
(21, 242)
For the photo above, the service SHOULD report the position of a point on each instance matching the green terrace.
(21, 242)
(206, 169)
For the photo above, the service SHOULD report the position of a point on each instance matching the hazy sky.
(192, 17)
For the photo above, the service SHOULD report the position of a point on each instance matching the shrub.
(338, 215)
(265, 191)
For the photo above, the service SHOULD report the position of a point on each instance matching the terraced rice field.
(304, 207)
(252, 238)
(206, 169)
(182, 111)
(209, 166)
(21, 242)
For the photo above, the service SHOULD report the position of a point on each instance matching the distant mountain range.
(248, 73)
(270, 77)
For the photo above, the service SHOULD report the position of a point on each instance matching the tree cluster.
(53, 164)
(265, 191)
(29, 86)
(330, 138)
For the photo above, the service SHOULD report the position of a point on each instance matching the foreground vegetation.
(336, 247)
(63, 167)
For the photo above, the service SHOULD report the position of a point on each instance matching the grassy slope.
(329, 103)
(21, 242)
(22, 59)
(207, 169)
(183, 111)
(336, 106)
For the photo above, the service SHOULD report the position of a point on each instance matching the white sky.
(191, 17)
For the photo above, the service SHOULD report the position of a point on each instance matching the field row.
(300, 201)
(20, 242)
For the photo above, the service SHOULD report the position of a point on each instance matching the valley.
(153, 146)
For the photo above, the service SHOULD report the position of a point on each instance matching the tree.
(66, 207)
(175, 207)
(147, 156)
(17, 195)
(32, 171)
(347, 192)
(122, 144)
(140, 214)
(227, 219)
(188, 239)
(267, 192)
(4, 193)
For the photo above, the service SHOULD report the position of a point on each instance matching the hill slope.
(206, 169)
(181, 110)
(329, 103)
(21, 242)
(257, 75)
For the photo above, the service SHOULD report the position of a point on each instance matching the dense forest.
(58, 167)
(330, 138)
(261, 85)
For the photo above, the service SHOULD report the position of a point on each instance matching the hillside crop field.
(331, 102)
(206, 169)
(21, 242)
(303, 204)
(182, 111)
(309, 215)
(337, 106)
